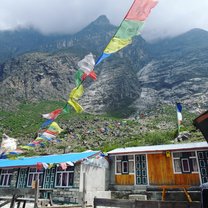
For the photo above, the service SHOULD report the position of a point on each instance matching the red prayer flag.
(140, 9)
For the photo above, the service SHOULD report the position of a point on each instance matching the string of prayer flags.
(130, 27)
(63, 166)
(75, 94)
(87, 65)
(52, 115)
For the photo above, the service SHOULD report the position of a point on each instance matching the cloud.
(58, 16)
(168, 18)
(172, 17)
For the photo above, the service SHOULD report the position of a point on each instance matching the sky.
(169, 18)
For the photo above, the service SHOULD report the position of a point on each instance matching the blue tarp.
(30, 161)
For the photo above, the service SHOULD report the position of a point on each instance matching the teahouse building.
(66, 174)
(171, 164)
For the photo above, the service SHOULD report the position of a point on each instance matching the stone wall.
(66, 196)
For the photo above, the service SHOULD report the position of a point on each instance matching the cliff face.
(137, 78)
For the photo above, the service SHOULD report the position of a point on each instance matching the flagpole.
(177, 120)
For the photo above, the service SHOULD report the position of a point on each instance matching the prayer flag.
(179, 114)
(53, 115)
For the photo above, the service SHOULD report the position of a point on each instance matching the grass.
(98, 132)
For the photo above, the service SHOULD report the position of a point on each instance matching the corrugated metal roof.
(30, 161)
(159, 148)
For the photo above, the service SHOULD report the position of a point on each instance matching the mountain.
(140, 77)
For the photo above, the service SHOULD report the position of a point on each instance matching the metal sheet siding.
(29, 161)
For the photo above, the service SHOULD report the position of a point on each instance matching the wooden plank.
(158, 164)
(124, 179)
(13, 201)
(6, 202)
(187, 195)
(36, 193)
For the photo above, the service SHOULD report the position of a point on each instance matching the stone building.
(73, 177)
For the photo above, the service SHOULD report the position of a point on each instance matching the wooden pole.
(36, 192)
(84, 192)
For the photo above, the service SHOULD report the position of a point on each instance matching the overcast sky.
(168, 18)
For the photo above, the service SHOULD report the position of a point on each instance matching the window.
(33, 175)
(5, 177)
(124, 164)
(185, 162)
(64, 178)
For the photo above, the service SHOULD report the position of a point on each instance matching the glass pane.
(177, 165)
(144, 173)
(70, 168)
(202, 163)
(118, 167)
(194, 164)
(118, 157)
(5, 180)
(33, 170)
(185, 165)
(30, 178)
(139, 172)
(138, 158)
(71, 179)
(201, 156)
(125, 158)
(177, 154)
(144, 180)
(203, 172)
(58, 179)
(40, 179)
(131, 166)
(130, 157)
(10, 179)
(124, 167)
(143, 157)
(1, 180)
(64, 179)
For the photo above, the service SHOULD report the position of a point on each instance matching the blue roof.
(31, 161)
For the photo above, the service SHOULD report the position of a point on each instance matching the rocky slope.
(132, 81)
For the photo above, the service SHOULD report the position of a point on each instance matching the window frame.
(6, 176)
(62, 173)
(120, 160)
(182, 156)
(34, 174)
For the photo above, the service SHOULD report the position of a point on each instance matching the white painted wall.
(95, 182)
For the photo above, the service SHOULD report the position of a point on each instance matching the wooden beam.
(187, 195)
(6, 202)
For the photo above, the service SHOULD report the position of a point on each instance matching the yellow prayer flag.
(116, 44)
(78, 108)
(56, 127)
(77, 92)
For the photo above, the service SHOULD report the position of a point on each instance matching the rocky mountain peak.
(101, 20)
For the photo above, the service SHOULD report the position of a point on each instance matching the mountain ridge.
(138, 77)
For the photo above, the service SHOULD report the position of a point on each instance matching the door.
(49, 178)
(22, 178)
(141, 169)
(203, 165)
